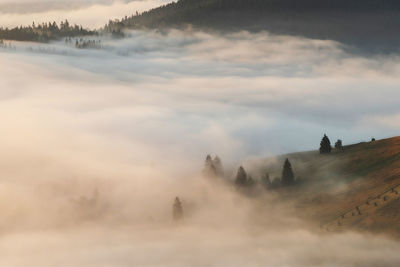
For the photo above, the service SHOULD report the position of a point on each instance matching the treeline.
(82, 43)
(5, 45)
(44, 32)
(213, 169)
(287, 178)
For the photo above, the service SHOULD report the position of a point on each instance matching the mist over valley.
(187, 145)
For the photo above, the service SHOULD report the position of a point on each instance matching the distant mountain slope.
(369, 24)
(334, 185)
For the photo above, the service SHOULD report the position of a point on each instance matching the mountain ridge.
(369, 25)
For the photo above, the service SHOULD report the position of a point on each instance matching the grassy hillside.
(369, 24)
(356, 188)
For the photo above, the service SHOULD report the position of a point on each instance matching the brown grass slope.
(355, 188)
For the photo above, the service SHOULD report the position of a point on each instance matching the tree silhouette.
(208, 160)
(213, 167)
(209, 168)
(339, 145)
(241, 177)
(325, 145)
(266, 181)
(218, 166)
(177, 210)
(287, 173)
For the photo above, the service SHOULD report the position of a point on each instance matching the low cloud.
(134, 121)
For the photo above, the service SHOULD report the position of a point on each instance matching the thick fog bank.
(97, 143)
(194, 247)
(237, 93)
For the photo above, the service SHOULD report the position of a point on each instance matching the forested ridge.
(372, 24)
(194, 11)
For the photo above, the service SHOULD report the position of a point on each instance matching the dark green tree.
(287, 173)
(325, 145)
(339, 145)
(241, 177)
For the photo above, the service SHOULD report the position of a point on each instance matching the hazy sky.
(89, 13)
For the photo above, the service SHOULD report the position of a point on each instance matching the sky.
(88, 13)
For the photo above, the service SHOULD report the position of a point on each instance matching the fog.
(98, 142)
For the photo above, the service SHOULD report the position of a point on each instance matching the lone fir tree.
(287, 173)
(241, 177)
(339, 145)
(325, 145)
(177, 210)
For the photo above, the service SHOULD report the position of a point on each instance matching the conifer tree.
(209, 168)
(287, 173)
(241, 177)
(325, 145)
(218, 166)
(208, 160)
(339, 145)
(177, 210)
